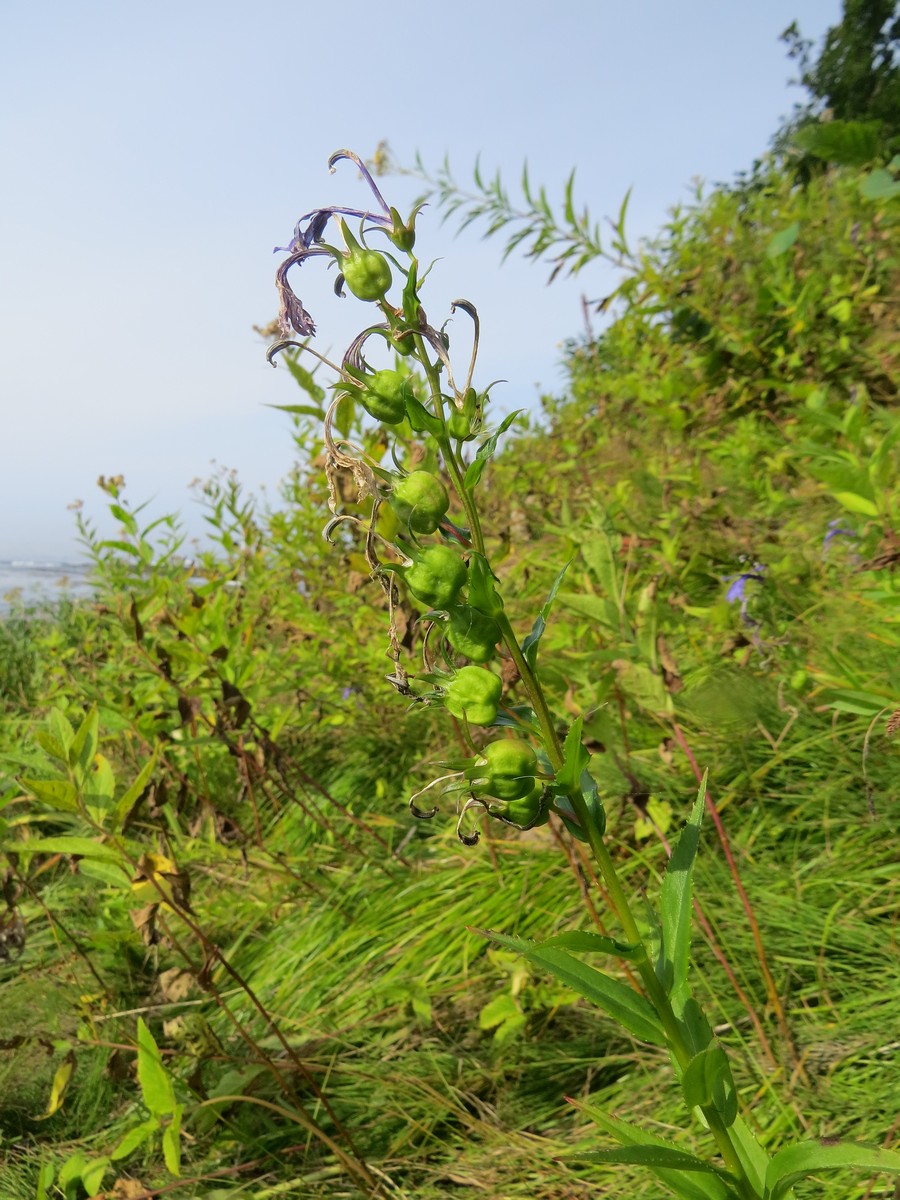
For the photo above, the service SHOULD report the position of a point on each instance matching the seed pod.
(421, 500)
(474, 693)
(366, 272)
(505, 769)
(473, 634)
(436, 577)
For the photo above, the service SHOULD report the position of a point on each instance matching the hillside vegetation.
(721, 471)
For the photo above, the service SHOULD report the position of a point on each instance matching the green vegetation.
(284, 992)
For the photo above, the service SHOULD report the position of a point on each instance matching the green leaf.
(48, 743)
(649, 1156)
(61, 730)
(532, 641)
(575, 759)
(60, 1085)
(880, 186)
(848, 143)
(855, 503)
(806, 1158)
(156, 1084)
(708, 1080)
(306, 381)
(171, 1141)
(692, 1186)
(128, 800)
(482, 456)
(593, 943)
(619, 1001)
(782, 242)
(83, 847)
(135, 1138)
(501, 1011)
(595, 608)
(92, 1175)
(45, 1178)
(601, 554)
(84, 744)
(56, 793)
(754, 1158)
(300, 410)
(676, 904)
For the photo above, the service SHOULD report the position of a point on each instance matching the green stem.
(654, 990)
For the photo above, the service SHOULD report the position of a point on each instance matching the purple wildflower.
(738, 589)
(836, 529)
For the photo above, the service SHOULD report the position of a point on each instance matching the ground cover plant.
(247, 971)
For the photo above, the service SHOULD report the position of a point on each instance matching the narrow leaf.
(130, 798)
(61, 1080)
(648, 1156)
(171, 1141)
(486, 450)
(532, 641)
(575, 758)
(84, 745)
(693, 1186)
(83, 847)
(61, 729)
(806, 1158)
(783, 241)
(593, 943)
(676, 902)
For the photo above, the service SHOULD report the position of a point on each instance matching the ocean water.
(31, 583)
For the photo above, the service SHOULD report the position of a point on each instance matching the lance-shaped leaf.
(82, 847)
(808, 1158)
(685, 1173)
(594, 943)
(532, 641)
(84, 745)
(61, 1080)
(676, 906)
(618, 1000)
(483, 455)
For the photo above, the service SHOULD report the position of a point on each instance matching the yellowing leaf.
(60, 1085)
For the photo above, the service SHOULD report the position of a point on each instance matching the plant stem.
(653, 988)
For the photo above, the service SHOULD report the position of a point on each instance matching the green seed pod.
(436, 577)
(384, 397)
(474, 693)
(528, 812)
(505, 769)
(473, 634)
(421, 500)
(366, 272)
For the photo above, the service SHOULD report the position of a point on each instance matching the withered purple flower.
(291, 313)
(308, 240)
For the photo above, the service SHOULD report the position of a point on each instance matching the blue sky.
(154, 154)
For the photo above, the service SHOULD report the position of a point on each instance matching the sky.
(153, 155)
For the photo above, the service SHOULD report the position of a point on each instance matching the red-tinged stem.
(771, 990)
